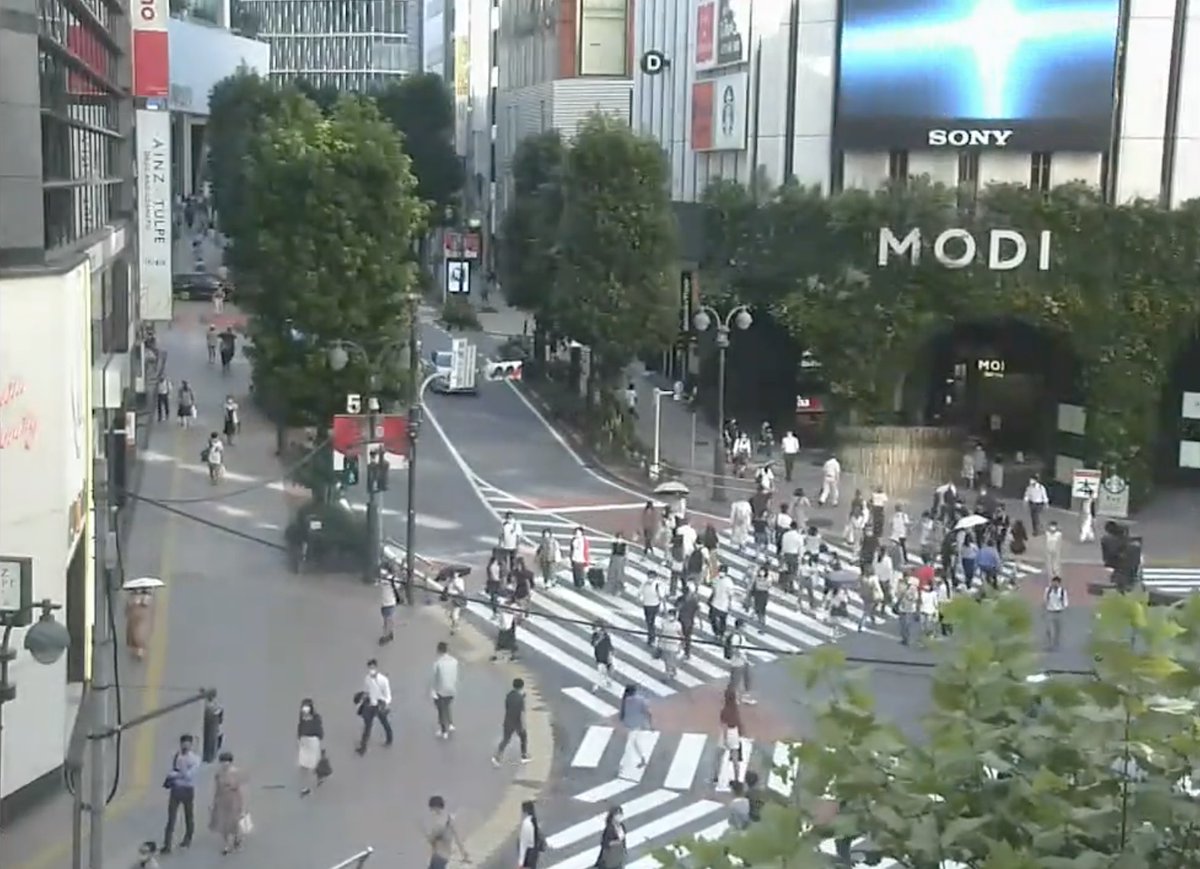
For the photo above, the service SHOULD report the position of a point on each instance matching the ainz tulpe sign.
(1006, 249)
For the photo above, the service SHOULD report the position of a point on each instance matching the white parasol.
(671, 487)
(143, 583)
(968, 522)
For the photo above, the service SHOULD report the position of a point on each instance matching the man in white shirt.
(651, 596)
(214, 456)
(1037, 499)
(1055, 604)
(831, 474)
(720, 602)
(443, 686)
(375, 702)
(687, 539)
(510, 539)
(791, 449)
(791, 544)
(163, 400)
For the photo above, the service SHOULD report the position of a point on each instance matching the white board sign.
(1113, 498)
(1085, 483)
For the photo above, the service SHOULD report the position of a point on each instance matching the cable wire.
(254, 487)
(638, 633)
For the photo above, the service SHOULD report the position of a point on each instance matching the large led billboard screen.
(1028, 75)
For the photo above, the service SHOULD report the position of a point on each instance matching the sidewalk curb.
(490, 836)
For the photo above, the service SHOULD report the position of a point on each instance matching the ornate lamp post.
(738, 318)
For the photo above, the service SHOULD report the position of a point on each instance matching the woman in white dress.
(740, 517)
(310, 733)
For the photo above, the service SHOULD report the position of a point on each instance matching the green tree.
(324, 95)
(616, 280)
(1013, 770)
(239, 107)
(529, 232)
(331, 217)
(422, 108)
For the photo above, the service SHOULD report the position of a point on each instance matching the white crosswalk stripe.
(1176, 581)
(564, 636)
(679, 795)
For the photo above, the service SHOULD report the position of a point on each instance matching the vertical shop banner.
(719, 113)
(722, 33)
(153, 137)
(702, 116)
(151, 68)
(706, 29)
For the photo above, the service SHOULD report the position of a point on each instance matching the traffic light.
(377, 474)
(211, 735)
(508, 370)
(350, 471)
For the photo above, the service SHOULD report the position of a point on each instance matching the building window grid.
(1039, 171)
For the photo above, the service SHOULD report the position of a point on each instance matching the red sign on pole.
(352, 432)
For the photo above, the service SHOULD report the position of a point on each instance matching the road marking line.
(639, 748)
(686, 762)
(708, 834)
(591, 747)
(595, 824)
(591, 701)
(725, 773)
(657, 828)
(604, 792)
(595, 508)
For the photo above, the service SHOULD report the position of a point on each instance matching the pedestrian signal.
(510, 370)
(350, 471)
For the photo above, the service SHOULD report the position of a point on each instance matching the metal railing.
(357, 861)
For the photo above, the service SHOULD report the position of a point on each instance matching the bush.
(516, 347)
(342, 542)
(459, 314)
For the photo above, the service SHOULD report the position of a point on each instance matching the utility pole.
(102, 639)
(414, 431)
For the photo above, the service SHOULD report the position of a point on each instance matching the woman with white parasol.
(139, 613)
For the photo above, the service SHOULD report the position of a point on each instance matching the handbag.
(245, 825)
(324, 768)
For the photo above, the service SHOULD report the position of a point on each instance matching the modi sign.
(1001, 249)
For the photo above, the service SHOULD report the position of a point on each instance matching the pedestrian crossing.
(565, 636)
(670, 786)
(1175, 581)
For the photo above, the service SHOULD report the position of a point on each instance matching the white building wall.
(662, 105)
(573, 99)
(202, 55)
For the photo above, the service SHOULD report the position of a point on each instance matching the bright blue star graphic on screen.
(993, 33)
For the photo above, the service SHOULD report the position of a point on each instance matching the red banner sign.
(151, 70)
(352, 432)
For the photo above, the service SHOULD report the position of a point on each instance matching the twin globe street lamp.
(737, 318)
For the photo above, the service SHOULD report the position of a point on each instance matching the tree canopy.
(1013, 769)
(590, 242)
(331, 215)
(1119, 291)
(422, 108)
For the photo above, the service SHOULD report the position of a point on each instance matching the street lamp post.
(656, 466)
(46, 640)
(739, 318)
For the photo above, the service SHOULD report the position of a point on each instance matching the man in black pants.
(514, 722)
(375, 704)
(180, 784)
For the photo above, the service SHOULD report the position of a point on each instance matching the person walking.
(650, 594)
(185, 404)
(900, 523)
(730, 720)
(871, 592)
(210, 343)
(228, 817)
(635, 715)
(388, 598)
(233, 419)
(720, 602)
(442, 836)
(651, 521)
(1087, 520)
(510, 539)
(530, 843)
(214, 457)
(907, 606)
(513, 723)
(218, 300)
(760, 593)
(686, 610)
(455, 597)
(548, 556)
(162, 399)
(739, 663)
(1037, 499)
(831, 479)
(791, 450)
(1055, 604)
(443, 686)
(180, 785)
(506, 630)
(375, 701)
(602, 651)
(137, 622)
(741, 516)
(580, 558)
(615, 578)
(310, 738)
(613, 850)
(1054, 546)
(670, 638)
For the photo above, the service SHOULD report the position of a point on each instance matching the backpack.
(728, 648)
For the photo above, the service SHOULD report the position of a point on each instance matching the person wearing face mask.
(310, 732)
(228, 817)
(375, 701)
(233, 419)
(613, 850)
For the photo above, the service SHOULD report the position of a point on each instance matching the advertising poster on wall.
(153, 136)
(719, 113)
(151, 67)
(1034, 76)
(722, 33)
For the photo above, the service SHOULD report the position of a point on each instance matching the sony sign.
(957, 248)
(969, 138)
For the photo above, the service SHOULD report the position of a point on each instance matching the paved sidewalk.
(233, 617)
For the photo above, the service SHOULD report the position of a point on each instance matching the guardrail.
(355, 862)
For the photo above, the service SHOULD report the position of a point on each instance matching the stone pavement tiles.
(233, 617)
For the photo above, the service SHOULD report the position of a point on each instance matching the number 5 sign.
(353, 403)
(16, 591)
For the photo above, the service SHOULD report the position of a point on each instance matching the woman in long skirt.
(229, 804)
(310, 732)
(137, 623)
(740, 516)
(615, 581)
